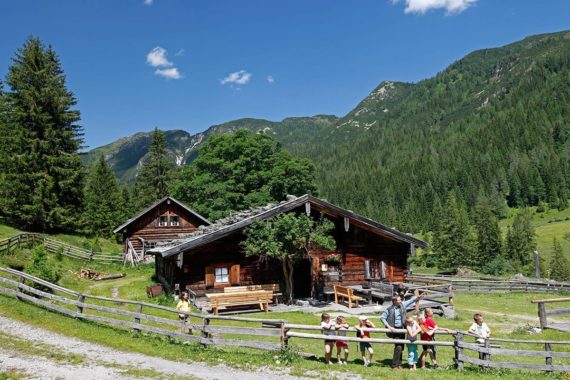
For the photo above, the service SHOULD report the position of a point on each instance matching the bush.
(497, 267)
(165, 300)
(41, 268)
(14, 262)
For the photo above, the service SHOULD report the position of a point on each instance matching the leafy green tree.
(241, 170)
(520, 240)
(42, 268)
(454, 242)
(288, 238)
(156, 173)
(41, 171)
(488, 233)
(559, 265)
(103, 201)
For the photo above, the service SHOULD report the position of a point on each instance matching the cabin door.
(302, 279)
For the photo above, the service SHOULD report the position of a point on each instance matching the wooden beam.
(346, 224)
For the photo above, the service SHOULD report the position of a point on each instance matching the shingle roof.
(238, 221)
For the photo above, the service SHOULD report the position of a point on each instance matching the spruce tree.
(454, 243)
(154, 179)
(102, 201)
(559, 265)
(520, 240)
(488, 232)
(41, 170)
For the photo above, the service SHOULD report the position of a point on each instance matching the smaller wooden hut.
(166, 219)
(212, 258)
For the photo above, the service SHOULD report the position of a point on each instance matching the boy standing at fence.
(480, 328)
(365, 346)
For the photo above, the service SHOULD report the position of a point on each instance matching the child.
(365, 346)
(429, 327)
(184, 306)
(480, 328)
(342, 328)
(328, 328)
(413, 329)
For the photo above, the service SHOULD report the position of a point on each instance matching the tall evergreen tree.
(488, 232)
(154, 179)
(454, 242)
(559, 265)
(41, 170)
(520, 240)
(102, 201)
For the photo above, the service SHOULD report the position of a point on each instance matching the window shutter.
(367, 269)
(234, 274)
(210, 277)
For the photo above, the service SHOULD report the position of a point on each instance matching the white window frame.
(174, 217)
(163, 221)
(222, 275)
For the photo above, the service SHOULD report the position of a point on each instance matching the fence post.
(20, 282)
(205, 334)
(138, 318)
(542, 315)
(487, 356)
(450, 290)
(548, 348)
(80, 299)
(458, 339)
(19, 240)
(284, 337)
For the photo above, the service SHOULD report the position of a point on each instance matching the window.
(174, 221)
(162, 221)
(221, 275)
(375, 269)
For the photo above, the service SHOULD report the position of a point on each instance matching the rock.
(519, 277)
(535, 330)
(449, 313)
(301, 303)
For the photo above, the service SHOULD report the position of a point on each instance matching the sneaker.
(339, 362)
(366, 364)
(435, 366)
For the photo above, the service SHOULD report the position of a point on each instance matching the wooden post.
(487, 356)
(283, 337)
(542, 315)
(138, 318)
(548, 348)
(205, 334)
(536, 264)
(450, 291)
(458, 339)
(80, 299)
(19, 240)
(20, 281)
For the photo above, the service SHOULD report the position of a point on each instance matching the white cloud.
(422, 6)
(170, 73)
(148, 2)
(270, 79)
(239, 77)
(180, 52)
(157, 58)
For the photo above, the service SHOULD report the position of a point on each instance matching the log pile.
(91, 274)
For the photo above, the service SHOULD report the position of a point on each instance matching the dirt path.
(100, 362)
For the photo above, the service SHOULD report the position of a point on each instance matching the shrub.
(41, 268)
(14, 262)
(497, 267)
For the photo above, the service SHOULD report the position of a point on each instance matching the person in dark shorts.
(328, 327)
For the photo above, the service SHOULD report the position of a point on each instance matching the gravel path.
(101, 362)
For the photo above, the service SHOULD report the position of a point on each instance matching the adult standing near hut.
(393, 318)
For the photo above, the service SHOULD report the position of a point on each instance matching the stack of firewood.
(89, 274)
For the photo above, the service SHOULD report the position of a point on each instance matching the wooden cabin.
(165, 220)
(212, 258)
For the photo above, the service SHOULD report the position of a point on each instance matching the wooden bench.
(256, 297)
(248, 288)
(344, 292)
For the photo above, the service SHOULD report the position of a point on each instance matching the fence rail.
(265, 334)
(543, 314)
(484, 285)
(55, 246)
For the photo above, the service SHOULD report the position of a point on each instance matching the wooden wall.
(147, 226)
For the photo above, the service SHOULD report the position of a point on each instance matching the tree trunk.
(291, 284)
(288, 284)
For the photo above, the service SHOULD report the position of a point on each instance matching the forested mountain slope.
(125, 156)
(496, 121)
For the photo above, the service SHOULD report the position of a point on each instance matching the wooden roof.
(156, 204)
(219, 230)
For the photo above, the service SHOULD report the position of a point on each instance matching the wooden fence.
(55, 246)
(543, 314)
(266, 334)
(476, 285)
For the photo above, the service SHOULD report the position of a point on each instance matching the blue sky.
(213, 61)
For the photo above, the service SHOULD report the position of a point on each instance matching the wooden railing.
(55, 246)
(266, 334)
(476, 285)
(543, 314)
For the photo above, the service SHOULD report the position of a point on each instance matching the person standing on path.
(393, 318)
